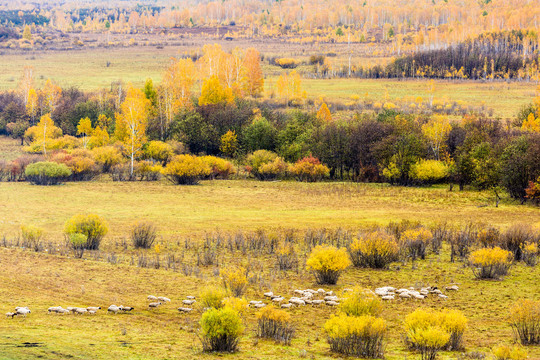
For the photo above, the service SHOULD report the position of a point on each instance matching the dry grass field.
(89, 70)
(40, 280)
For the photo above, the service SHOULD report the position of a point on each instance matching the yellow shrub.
(275, 324)
(374, 250)
(240, 305)
(530, 254)
(309, 169)
(489, 236)
(452, 322)
(328, 262)
(235, 280)
(490, 263)
(220, 168)
(147, 170)
(107, 157)
(525, 321)
(429, 171)
(429, 341)
(286, 63)
(31, 236)
(212, 297)
(362, 336)
(361, 302)
(505, 352)
(158, 151)
(186, 169)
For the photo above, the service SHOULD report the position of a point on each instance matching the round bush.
(221, 330)
(143, 234)
(186, 170)
(310, 169)
(361, 302)
(375, 250)
(361, 336)
(213, 297)
(47, 173)
(490, 263)
(275, 324)
(92, 226)
(525, 321)
(327, 262)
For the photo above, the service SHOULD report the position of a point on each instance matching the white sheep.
(154, 305)
(190, 297)
(188, 302)
(151, 298)
(12, 314)
(80, 311)
(22, 311)
(113, 308)
(286, 306)
(125, 308)
(185, 309)
(93, 308)
(269, 294)
(164, 299)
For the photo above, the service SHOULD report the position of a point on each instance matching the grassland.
(246, 204)
(90, 70)
(41, 280)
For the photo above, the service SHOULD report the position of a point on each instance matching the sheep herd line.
(301, 298)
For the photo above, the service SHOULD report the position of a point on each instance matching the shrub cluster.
(505, 352)
(360, 302)
(430, 331)
(235, 280)
(186, 170)
(47, 173)
(212, 297)
(490, 263)
(221, 330)
(275, 324)
(286, 257)
(525, 321)
(309, 169)
(327, 263)
(374, 250)
(361, 336)
(415, 242)
(93, 227)
(143, 234)
(32, 236)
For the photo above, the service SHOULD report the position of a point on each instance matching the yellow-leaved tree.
(52, 94)
(289, 87)
(32, 104)
(175, 93)
(213, 93)
(324, 113)
(42, 133)
(229, 143)
(436, 130)
(531, 124)
(252, 80)
(85, 129)
(131, 122)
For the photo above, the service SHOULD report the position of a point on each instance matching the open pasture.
(190, 211)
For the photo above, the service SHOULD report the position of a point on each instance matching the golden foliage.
(490, 263)
(235, 280)
(327, 262)
(375, 250)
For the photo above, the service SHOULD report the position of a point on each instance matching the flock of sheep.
(301, 298)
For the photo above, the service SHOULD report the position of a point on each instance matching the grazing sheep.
(388, 297)
(269, 294)
(332, 303)
(286, 306)
(260, 305)
(452, 288)
(442, 296)
(164, 299)
(54, 309)
(12, 314)
(308, 301)
(80, 311)
(188, 302)
(154, 305)
(297, 301)
(329, 293)
(71, 308)
(190, 297)
(125, 308)
(278, 299)
(91, 312)
(22, 311)
(93, 308)
(317, 302)
(114, 309)
(151, 298)
(321, 291)
(253, 302)
(63, 311)
(418, 296)
(404, 295)
(331, 298)
(185, 309)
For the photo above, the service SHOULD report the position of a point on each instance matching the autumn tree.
(51, 93)
(131, 122)
(32, 104)
(43, 132)
(214, 93)
(252, 80)
(26, 83)
(85, 129)
(324, 113)
(289, 86)
(229, 143)
(436, 130)
(27, 33)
